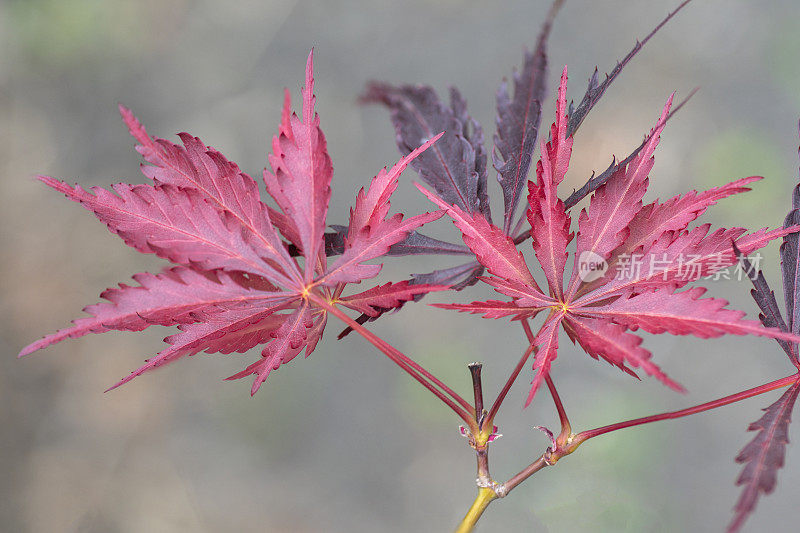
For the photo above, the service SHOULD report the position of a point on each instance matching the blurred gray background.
(344, 441)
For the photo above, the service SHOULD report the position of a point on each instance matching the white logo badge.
(591, 266)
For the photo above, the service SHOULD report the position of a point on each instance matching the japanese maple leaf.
(764, 455)
(235, 284)
(456, 168)
(601, 311)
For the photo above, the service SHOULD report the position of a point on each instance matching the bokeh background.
(344, 441)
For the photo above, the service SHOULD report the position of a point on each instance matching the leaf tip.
(260, 378)
(27, 351)
(668, 105)
(310, 64)
(422, 189)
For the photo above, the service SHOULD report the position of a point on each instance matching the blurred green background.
(344, 441)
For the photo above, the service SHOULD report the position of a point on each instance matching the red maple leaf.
(598, 308)
(236, 285)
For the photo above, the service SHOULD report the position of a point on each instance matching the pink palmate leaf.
(301, 173)
(455, 168)
(641, 254)
(548, 219)
(238, 286)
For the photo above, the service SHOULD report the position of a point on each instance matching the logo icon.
(591, 266)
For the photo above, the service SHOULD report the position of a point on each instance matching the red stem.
(551, 457)
(566, 428)
(739, 396)
(428, 380)
(529, 470)
(527, 329)
(562, 414)
(510, 381)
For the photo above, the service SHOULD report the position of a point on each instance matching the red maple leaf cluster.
(602, 314)
(236, 285)
(246, 273)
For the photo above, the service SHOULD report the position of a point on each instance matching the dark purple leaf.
(473, 133)
(334, 242)
(790, 259)
(596, 89)
(453, 166)
(764, 455)
(518, 121)
(765, 299)
(458, 277)
(415, 244)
